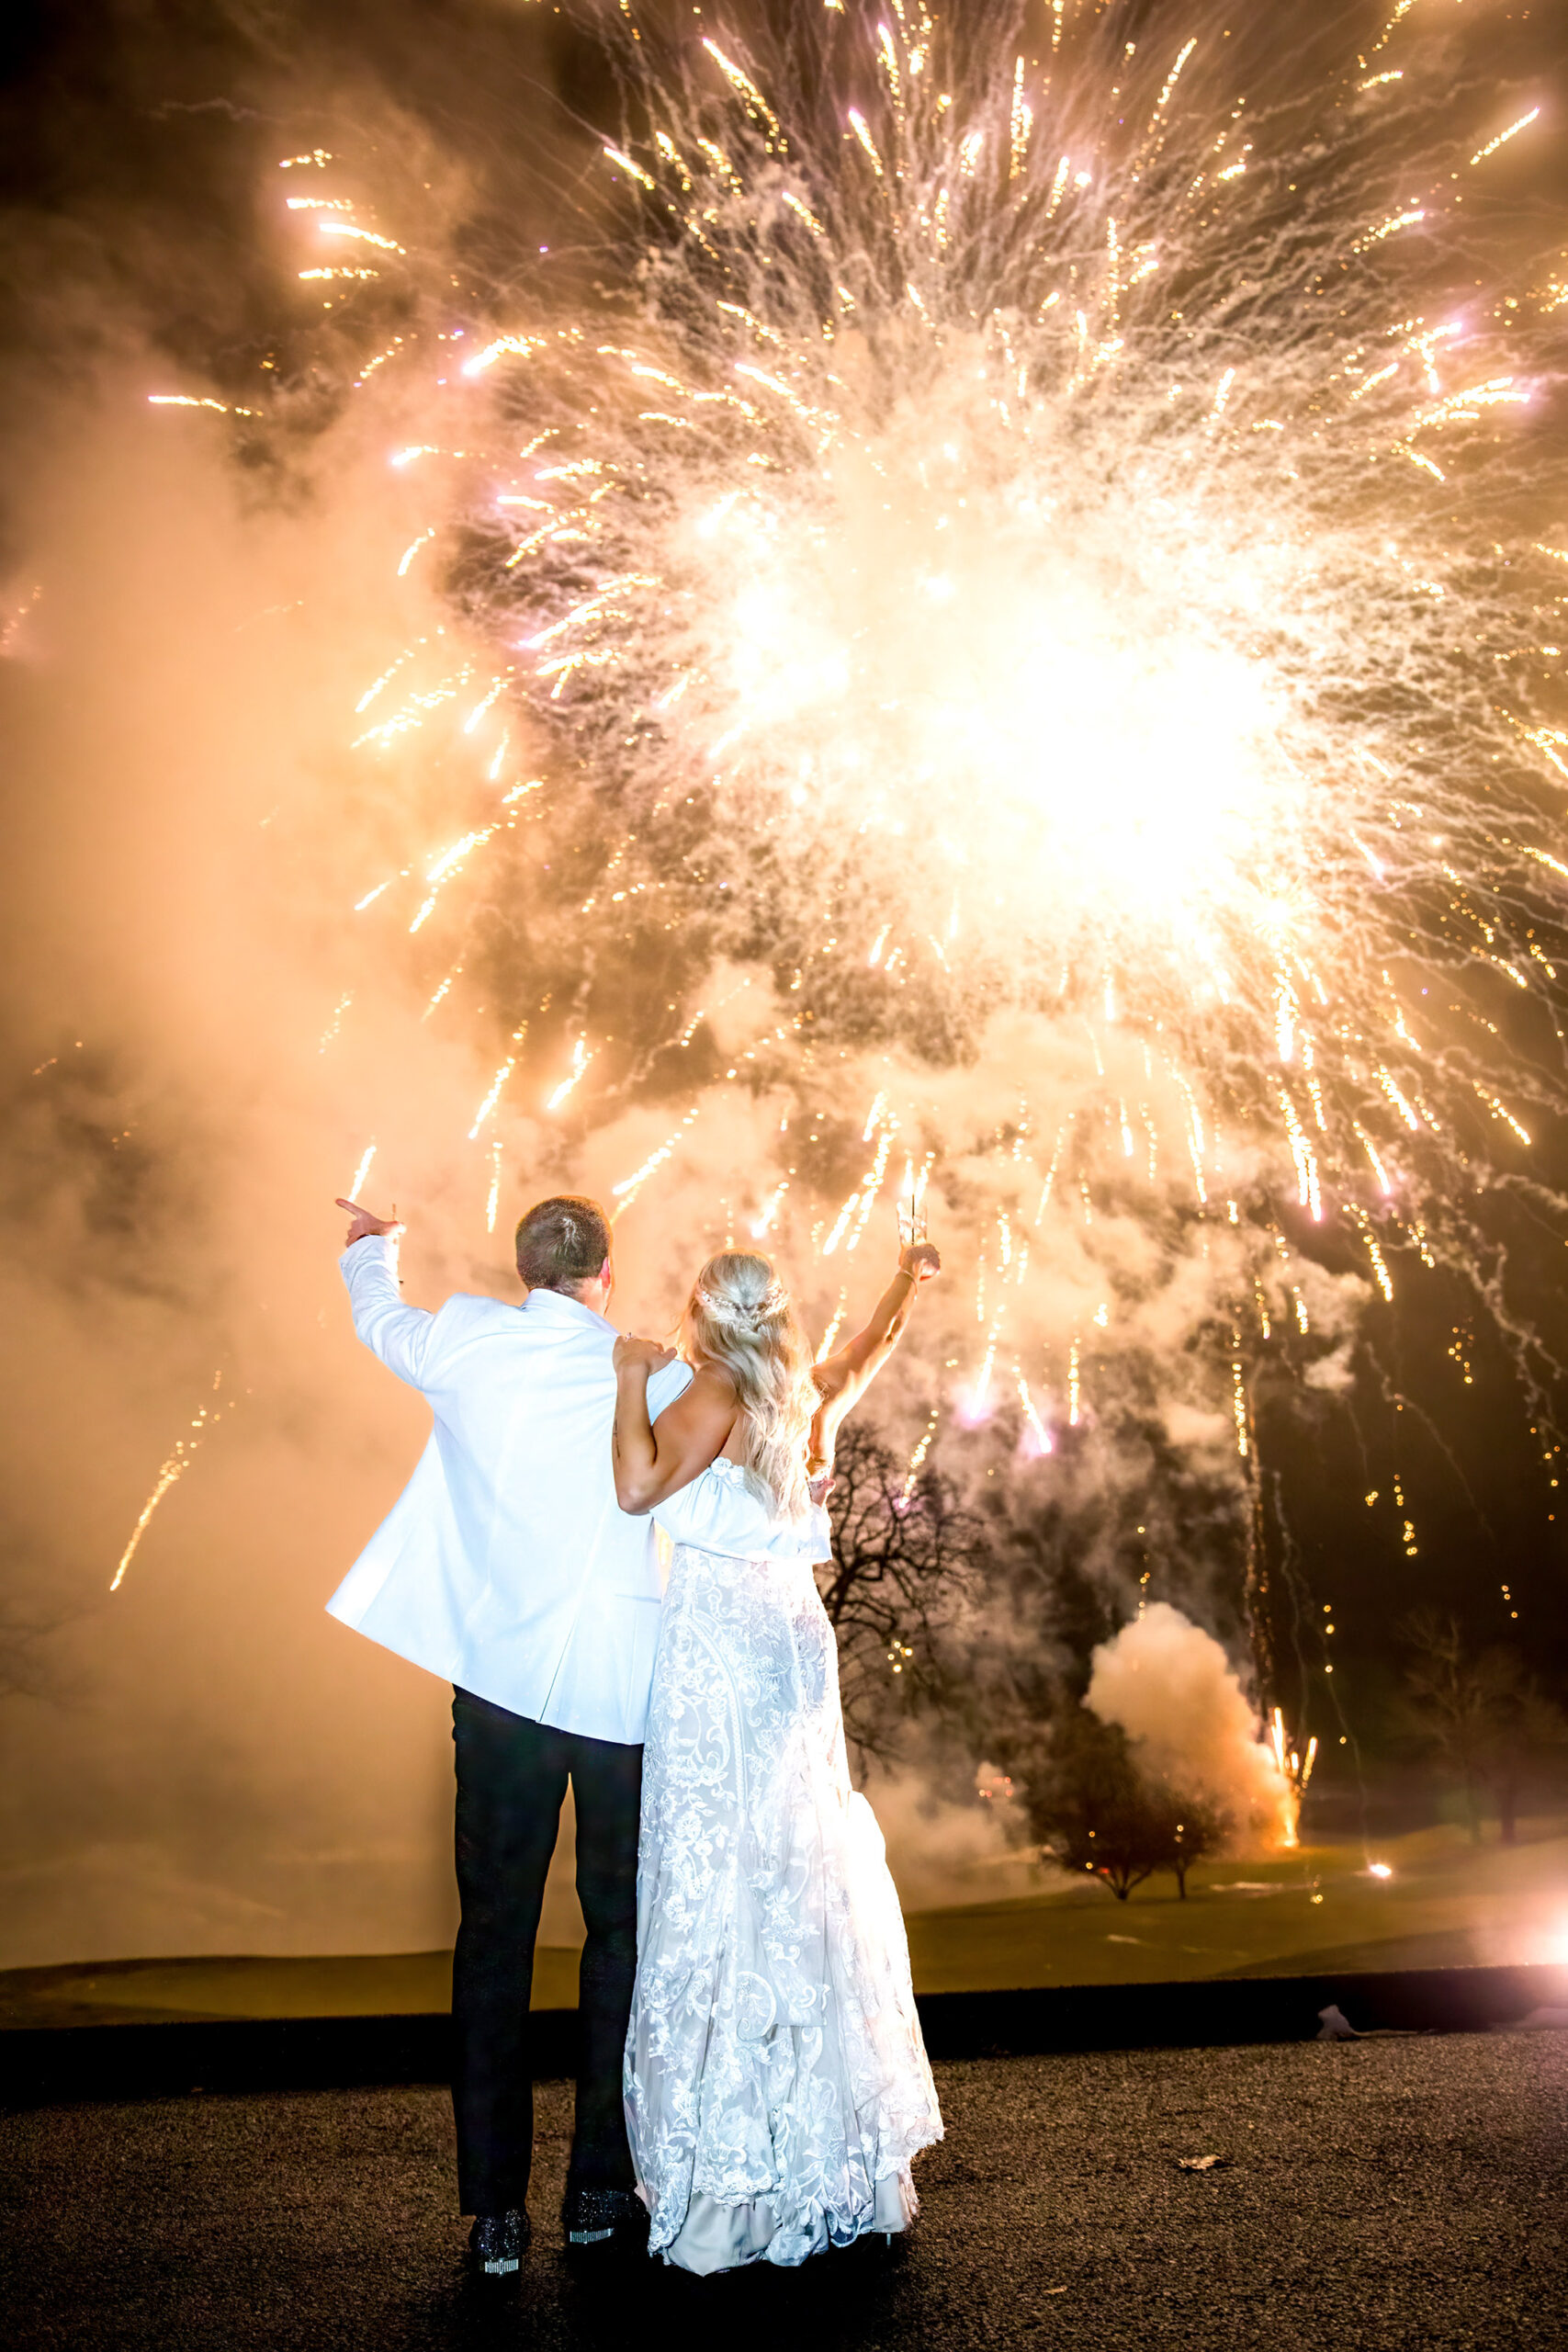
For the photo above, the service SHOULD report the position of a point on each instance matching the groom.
(507, 1568)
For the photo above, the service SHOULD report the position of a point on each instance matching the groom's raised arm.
(400, 1335)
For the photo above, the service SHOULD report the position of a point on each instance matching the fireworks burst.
(1046, 567)
(1294, 1768)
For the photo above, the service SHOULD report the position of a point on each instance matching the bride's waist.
(690, 1564)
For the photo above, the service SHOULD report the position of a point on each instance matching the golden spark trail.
(502, 1074)
(1504, 136)
(825, 1348)
(171, 1472)
(917, 1459)
(493, 1203)
(173, 1469)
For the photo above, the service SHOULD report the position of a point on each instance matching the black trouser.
(512, 1778)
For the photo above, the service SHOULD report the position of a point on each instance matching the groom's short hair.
(562, 1242)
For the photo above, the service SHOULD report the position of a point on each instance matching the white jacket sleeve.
(400, 1335)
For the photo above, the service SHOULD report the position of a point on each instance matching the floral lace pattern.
(774, 2062)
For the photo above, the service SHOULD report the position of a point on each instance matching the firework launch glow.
(1019, 640)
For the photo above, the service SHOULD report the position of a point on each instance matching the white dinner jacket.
(506, 1564)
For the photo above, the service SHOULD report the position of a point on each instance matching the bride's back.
(740, 1319)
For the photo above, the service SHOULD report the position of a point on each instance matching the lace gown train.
(776, 2082)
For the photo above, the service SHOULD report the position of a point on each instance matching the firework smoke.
(1175, 1693)
(1017, 634)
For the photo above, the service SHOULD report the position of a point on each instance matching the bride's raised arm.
(843, 1378)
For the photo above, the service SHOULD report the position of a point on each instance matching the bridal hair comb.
(772, 1301)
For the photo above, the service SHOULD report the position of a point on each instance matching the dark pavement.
(1408, 2191)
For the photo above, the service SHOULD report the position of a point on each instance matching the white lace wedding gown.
(776, 2083)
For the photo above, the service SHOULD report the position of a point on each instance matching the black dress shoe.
(496, 2242)
(602, 2217)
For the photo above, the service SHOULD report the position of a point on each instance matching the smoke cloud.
(942, 1851)
(1173, 1690)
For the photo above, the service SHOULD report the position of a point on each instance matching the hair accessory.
(716, 1302)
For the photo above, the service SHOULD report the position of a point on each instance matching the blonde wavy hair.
(740, 1317)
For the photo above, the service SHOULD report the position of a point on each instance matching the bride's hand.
(651, 1354)
(920, 1259)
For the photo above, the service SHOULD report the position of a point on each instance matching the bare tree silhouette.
(903, 1555)
(1489, 1723)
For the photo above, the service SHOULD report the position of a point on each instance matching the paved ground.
(1408, 2191)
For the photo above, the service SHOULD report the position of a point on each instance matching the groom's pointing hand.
(363, 1222)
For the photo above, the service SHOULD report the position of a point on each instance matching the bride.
(776, 2083)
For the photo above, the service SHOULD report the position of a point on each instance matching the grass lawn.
(132, 1992)
(1447, 1905)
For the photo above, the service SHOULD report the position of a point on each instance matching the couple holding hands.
(751, 2083)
